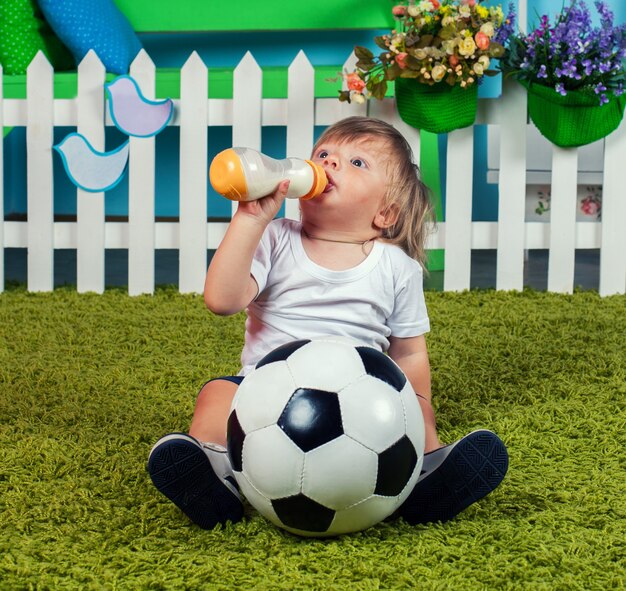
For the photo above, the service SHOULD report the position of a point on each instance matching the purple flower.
(507, 27)
(599, 88)
(603, 99)
(560, 89)
(589, 67)
(542, 73)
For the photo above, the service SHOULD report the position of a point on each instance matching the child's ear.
(387, 216)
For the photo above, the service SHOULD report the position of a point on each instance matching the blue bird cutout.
(89, 169)
(134, 114)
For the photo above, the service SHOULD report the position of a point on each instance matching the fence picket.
(511, 187)
(613, 242)
(141, 185)
(39, 140)
(458, 214)
(300, 117)
(247, 105)
(193, 175)
(563, 220)
(90, 206)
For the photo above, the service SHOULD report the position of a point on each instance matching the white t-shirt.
(381, 297)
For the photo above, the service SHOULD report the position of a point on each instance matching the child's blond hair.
(405, 190)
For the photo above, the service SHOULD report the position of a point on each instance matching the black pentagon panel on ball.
(395, 466)
(300, 512)
(281, 353)
(234, 441)
(378, 365)
(311, 418)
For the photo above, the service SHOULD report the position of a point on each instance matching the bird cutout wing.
(89, 169)
(134, 114)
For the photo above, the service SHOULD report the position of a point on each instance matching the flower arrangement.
(435, 42)
(570, 54)
(574, 74)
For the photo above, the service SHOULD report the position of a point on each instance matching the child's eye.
(322, 154)
(359, 163)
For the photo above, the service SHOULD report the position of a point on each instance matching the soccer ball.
(325, 437)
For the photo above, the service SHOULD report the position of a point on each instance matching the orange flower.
(398, 10)
(401, 59)
(453, 60)
(482, 41)
(435, 4)
(355, 83)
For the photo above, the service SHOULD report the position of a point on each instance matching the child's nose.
(332, 161)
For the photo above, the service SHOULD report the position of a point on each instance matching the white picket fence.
(247, 113)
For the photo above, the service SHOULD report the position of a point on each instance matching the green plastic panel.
(252, 15)
(168, 83)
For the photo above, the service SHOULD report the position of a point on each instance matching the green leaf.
(365, 65)
(380, 91)
(491, 72)
(363, 53)
(425, 41)
(380, 41)
(344, 96)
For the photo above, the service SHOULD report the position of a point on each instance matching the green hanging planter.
(575, 119)
(439, 108)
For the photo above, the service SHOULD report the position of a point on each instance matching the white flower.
(447, 20)
(358, 98)
(487, 29)
(426, 6)
(438, 72)
(413, 10)
(484, 61)
(465, 11)
(478, 69)
(448, 46)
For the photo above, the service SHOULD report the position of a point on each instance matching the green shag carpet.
(88, 383)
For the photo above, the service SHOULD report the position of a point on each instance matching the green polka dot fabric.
(24, 32)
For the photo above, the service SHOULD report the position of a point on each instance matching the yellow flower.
(428, 19)
(467, 47)
(482, 11)
(438, 72)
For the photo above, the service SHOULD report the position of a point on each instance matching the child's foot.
(195, 477)
(455, 476)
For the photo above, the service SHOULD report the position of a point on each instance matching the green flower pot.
(575, 119)
(439, 108)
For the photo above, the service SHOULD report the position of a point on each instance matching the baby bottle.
(243, 174)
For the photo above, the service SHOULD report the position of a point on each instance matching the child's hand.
(265, 209)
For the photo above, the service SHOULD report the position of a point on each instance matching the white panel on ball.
(335, 483)
(372, 412)
(364, 515)
(340, 365)
(262, 396)
(273, 462)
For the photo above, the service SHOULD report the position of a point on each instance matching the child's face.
(357, 183)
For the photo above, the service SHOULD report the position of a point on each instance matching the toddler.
(352, 267)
